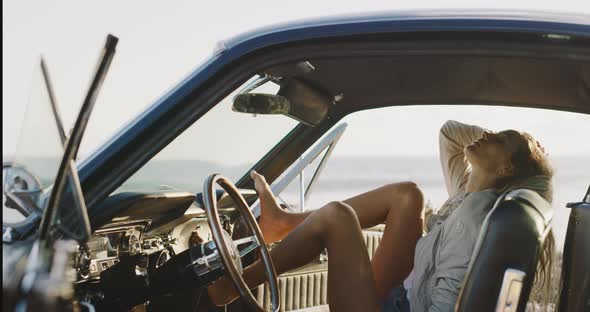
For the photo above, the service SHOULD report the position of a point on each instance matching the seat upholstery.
(306, 289)
(511, 237)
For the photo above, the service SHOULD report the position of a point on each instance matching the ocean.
(346, 177)
(343, 177)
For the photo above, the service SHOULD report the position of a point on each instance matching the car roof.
(547, 83)
(410, 20)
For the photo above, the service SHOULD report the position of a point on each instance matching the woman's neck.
(479, 181)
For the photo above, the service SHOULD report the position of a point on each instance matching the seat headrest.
(533, 199)
(540, 184)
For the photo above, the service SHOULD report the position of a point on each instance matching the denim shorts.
(397, 301)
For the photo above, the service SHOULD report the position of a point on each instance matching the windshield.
(36, 159)
(222, 141)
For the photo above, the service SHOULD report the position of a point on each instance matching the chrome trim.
(8, 190)
(252, 242)
(20, 205)
(255, 84)
(89, 307)
(302, 189)
(219, 48)
(7, 235)
(283, 181)
(306, 66)
(125, 225)
(264, 78)
(510, 291)
(323, 162)
(163, 258)
(411, 15)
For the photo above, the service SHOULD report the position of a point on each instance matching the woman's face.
(493, 151)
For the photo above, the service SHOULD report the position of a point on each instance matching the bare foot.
(274, 221)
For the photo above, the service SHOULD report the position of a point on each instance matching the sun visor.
(307, 104)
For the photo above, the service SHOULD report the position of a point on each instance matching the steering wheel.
(227, 248)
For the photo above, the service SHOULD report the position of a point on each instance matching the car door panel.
(306, 288)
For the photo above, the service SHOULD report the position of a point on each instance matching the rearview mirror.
(261, 103)
(295, 99)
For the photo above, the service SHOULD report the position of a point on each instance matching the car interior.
(171, 225)
(165, 246)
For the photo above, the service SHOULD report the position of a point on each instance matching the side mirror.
(21, 188)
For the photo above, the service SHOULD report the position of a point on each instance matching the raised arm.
(453, 138)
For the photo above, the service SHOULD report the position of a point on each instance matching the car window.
(296, 191)
(396, 144)
(222, 141)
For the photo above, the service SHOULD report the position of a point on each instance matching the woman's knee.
(338, 221)
(409, 194)
(337, 213)
(413, 192)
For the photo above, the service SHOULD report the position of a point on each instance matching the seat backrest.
(575, 276)
(505, 257)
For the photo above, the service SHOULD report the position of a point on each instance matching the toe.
(259, 181)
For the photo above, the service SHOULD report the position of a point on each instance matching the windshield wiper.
(52, 101)
(76, 220)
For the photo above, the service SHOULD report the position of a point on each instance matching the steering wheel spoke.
(250, 242)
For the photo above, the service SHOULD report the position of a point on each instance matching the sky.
(163, 41)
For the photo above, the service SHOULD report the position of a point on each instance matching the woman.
(477, 165)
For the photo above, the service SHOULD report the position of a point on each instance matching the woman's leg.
(336, 228)
(372, 208)
(398, 205)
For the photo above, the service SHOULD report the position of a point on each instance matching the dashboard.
(140, 244)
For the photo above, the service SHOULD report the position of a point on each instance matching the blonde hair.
(532, 170)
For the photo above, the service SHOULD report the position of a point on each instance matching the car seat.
(504, 261)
